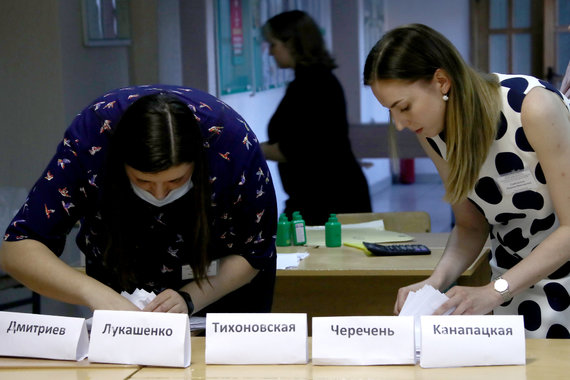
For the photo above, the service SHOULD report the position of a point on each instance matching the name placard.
(256, 338)
(43, 336)
(472, 340)
(370, 340)
(136, 337)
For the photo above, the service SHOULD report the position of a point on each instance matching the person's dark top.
(321, 175)
(244, 212)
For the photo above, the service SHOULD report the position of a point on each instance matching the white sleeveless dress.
(513, 195)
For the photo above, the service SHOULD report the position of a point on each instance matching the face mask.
(170, 197)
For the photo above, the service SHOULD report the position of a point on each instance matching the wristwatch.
(188, 300)
(502, 286)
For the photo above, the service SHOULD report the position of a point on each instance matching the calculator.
(396, 249)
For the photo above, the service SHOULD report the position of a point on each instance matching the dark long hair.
(413, 53)
(155, 133)
(302, 36)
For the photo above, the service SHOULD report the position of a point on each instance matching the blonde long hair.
(414, 52)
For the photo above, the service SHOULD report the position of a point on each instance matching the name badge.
(472, 340)
(188, 274)
(134, 337)
(256, 338)
(363, 340)
(43, 336)
(515, 182)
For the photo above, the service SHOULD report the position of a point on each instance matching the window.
(556, 39)
(508, 36)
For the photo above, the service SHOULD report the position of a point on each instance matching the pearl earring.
(445, 97)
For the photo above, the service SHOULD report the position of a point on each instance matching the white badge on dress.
(516, 182)
(188, 274)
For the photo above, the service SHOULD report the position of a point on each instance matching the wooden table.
(30, 369)
(345, 281)
(545, 359)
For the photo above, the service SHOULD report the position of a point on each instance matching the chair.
(7, 282)
(400, 221)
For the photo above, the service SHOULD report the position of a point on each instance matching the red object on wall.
(236, 27)
(407, 171)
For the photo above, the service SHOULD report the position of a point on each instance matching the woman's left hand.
(168, 301)
(470, 300)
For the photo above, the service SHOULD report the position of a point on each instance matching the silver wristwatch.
(502, 286)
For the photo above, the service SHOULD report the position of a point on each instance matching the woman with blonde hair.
(498, 142)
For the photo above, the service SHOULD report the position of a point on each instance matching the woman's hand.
(168, 301)
(470, 300)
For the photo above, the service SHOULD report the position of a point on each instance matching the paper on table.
(354, 234)
(290, 260)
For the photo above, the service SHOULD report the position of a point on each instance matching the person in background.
(174, 196)
(308, 133)
(499, 143)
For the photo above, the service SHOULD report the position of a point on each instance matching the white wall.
(449, 17)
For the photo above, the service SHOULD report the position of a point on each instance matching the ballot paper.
(424, 301)
(140, 298)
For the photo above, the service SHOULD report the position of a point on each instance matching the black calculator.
(396, 249)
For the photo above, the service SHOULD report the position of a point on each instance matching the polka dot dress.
(512, 194)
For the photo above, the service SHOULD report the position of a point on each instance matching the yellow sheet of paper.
(354, 234)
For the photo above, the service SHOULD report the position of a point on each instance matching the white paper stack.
(423, 302)
(140, 297)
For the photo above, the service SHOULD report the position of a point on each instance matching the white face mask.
(170, 197)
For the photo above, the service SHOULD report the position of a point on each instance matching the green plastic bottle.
(283, 231)
(333, 234)
(298, 232)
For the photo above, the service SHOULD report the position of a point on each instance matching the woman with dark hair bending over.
(173, 195)
(501, 144)
(308, 133)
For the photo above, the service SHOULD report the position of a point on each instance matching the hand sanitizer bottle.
(298, 229)
(333, 236)
(283, 231)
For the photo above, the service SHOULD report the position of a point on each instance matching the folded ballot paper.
(423, 302)
(140, 298)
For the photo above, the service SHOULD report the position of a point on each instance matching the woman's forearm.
(463, 247)
(35, 266)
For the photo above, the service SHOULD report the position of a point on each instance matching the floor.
(425, 194)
